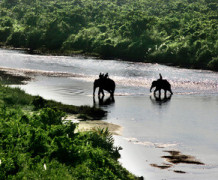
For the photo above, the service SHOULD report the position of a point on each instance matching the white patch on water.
(150, 144)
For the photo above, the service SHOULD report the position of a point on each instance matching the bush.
(40, 146)
(50, 116)
(17, 39)
(16, 97)
(4, 33)
(204, 56)
(38, 102)
(213, 64)
(34, 39)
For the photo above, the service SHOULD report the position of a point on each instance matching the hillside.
(177, 32)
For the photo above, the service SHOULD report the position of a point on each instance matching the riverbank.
(35, 143)
(95, 55)
(36, 102)
(81, 53)
(8, 78)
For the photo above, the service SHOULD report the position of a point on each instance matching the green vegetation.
(41, 145)
(17, 97)
(178, 32)
(85, 112)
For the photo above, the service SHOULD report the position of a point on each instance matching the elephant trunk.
(154, 84)
(151, 88)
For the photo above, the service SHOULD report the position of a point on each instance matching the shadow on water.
(160, 100)
(104, 101)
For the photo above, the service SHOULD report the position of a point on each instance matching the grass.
(36, 144)
(14, 97)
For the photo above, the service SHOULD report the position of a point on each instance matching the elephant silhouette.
(160, 101)
(104, 102)
(104, 83)
(161, 84)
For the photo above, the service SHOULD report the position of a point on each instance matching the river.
(186, 122)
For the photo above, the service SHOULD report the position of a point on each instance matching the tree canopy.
(179, 32)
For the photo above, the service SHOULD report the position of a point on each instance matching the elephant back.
(109, 84)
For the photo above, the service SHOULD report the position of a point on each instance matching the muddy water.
(185, 122)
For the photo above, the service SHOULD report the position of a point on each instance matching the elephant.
(104, 102)
(158, 100)
(161, 84)
(104, 83)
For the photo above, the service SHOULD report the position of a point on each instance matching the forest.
(174, 32)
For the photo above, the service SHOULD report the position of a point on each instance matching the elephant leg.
(101, 91)
(94, 102)
(171, 91)
(101, 100)
(155, 91)
(112, 93)
(165, 93)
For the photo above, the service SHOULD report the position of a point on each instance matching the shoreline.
(98, 56)
(88, 125)
(10, 78)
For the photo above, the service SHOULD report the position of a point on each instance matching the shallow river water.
(186, 122)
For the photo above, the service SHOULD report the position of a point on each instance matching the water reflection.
(104, 101)
(159, 100)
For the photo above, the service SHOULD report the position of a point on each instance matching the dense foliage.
(40, 145)
(179, 32)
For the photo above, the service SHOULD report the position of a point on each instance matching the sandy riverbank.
(9, 77)
(94, 124)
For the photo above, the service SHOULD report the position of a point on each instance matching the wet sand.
(95, 124)
(175, 158)
(9, 77)
(89, 125)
